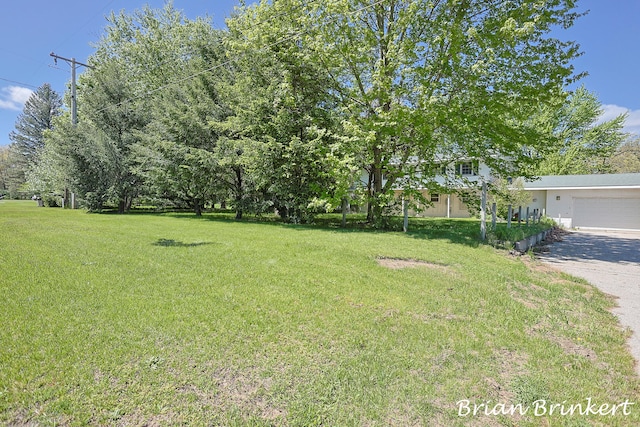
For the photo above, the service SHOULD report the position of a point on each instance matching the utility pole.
(74, 107)
(74, 64)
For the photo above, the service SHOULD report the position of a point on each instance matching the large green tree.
(179, 159)
(286, 114)
(177, 66)
(53, 171)
(422, 81)
(110, 125)
(27, 139)
(141, 60)
(586, 146)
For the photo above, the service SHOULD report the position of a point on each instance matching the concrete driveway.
(610, 260)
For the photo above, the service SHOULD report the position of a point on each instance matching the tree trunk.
(239, 192)
(283, 212)
(375, 209)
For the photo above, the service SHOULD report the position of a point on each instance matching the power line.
(19, 83)
(83, 26)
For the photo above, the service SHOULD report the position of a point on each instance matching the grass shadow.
(178, 244)
(462, 231)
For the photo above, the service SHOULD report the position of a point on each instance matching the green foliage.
(586, 146)
(4, 168)
(506, 237)
(110, 124)
(283, 105)
(53, 169)
(506, 192)
(627, 157)
(51, 201)
(291, 106)
(179, 158)
(438, 80)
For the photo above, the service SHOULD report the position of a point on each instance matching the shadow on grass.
(458, 231)
(463, 231)
(178, 244)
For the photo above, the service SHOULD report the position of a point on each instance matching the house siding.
(538, 201)
(448, 206)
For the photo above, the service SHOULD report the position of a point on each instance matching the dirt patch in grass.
(244, 390)
(568, 346)
(575, 349)
(399, 263)
(526, 294)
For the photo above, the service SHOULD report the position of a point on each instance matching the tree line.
(299, 107)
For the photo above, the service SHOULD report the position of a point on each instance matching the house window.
(435, 198)
(466, 168)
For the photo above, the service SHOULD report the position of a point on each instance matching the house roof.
(585, 182)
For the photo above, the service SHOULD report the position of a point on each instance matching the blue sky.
(31, 29)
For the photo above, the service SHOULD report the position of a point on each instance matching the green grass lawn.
(169, 319)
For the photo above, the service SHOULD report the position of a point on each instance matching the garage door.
(606, 213)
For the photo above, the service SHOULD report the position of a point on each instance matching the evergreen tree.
(28, 138)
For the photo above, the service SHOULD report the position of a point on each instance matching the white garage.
(589, 201)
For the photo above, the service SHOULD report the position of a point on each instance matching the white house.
(460, 174)
(589, 201)
(609, 201)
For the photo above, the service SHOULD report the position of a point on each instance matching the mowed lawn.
(169, 319)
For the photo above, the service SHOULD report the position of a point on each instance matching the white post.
(483, 212)
(448, 205)
(405, 209)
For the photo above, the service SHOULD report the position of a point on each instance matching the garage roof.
(583, 182)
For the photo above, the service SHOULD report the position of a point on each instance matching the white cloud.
(14, 97)
(631, 125)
